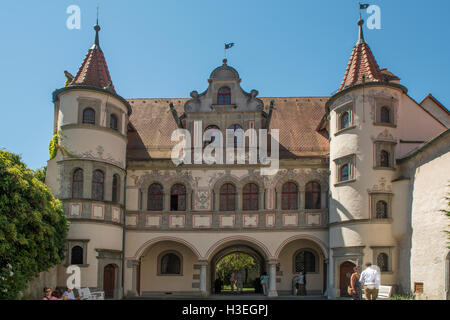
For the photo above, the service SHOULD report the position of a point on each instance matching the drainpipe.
(123, 232)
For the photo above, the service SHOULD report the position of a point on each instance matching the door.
(346, 271)
(109, 277)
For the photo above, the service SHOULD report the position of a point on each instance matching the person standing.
(301, 283)
(370, 280)
(232, 281)
(355, 284)
(264, 282)
(239, 282)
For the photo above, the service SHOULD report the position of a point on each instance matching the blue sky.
(167, 48)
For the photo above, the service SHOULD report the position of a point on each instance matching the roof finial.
(97, 29)
(361, 34)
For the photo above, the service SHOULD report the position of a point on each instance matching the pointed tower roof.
(362, 66)
(94, 70)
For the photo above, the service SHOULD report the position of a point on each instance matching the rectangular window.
(345, 168)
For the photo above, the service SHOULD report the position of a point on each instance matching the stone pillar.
(134, 265)
(203, 278)
(273, 278)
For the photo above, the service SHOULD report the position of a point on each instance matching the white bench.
(86, 294)
(384, 293)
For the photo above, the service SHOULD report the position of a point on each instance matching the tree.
(234, 262)
(33, 227)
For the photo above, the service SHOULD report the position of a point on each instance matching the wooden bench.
(384, 293)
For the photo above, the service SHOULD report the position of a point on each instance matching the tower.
(88, 171)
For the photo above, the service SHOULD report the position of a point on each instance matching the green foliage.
(447, 213)
(33, 227)
(406, 296)
(40, 174)
(234, 262)
(53, 146)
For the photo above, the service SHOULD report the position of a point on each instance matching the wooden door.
(109, 277)
(346, 271)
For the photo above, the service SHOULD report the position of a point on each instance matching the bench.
(86, 294)
(384, 293)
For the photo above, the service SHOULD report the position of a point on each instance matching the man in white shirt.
(370, 281)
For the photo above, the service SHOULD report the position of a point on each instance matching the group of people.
(368, 280)
(236, 281)
(49, 294)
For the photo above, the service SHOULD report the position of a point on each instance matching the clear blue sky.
(167, 48)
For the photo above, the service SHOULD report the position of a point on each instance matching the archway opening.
(345, 273)
(109, 280)
(237, 269)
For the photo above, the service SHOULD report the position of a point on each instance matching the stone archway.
(345, 272)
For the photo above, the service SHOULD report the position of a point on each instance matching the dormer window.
(224, 96)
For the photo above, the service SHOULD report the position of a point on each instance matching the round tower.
(88, 171)
(362, 118)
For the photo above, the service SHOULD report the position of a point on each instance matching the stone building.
(362, 177)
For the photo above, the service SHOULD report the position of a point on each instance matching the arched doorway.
(345, 272)
(109, 280)
(250, 276)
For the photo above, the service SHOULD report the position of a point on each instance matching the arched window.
(289, 196)
(227, 197)
(76, 256)
(170, 263)
(178, 198)
(235, 127)
(382, 210)
(155, 197)
(115, 188)
(344, 120)
(384, 159)
(385, 115)
(250, 197)
(224, 96)
(343, 172)
(113, 122)
(89, 116)
(304, 260)
(312, 195)
(98, 180)
(383, 262)
(77, 184)
(205, 143)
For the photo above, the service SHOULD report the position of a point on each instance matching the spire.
(94, 70)
(362, 66)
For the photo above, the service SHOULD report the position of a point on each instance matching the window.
(235, 127)
(384, 159)
(383, 262)
(115, 188)
(382, 209)
(98, 179)
(77, 184)
(304, 260)
(89, 116)
(224, 96)
(344, 120)
(178, 198)
(227, 197)
(155, 197)
(251, 197)
(205, 143)
(343, 172)
(170, 264)
(113, 122)
(76, 256)
(312, 195)
(289, 196)
(385, 115)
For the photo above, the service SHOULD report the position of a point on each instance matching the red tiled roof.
(94, 70)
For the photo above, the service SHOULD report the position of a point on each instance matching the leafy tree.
(33, 227)
(234, 262)
(40, 174)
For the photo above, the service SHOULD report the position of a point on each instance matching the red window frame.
(155, 197)
(289, 196)
(89, 118)
(75, 181)
(250, 194)
(227, 197)
(224, 96)
(179, 191)
(313, 195)
(98, 185)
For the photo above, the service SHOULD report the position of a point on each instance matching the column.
(203, 279)
(273, 278)
(133, 264)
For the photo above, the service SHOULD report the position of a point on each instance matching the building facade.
(358, 173)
